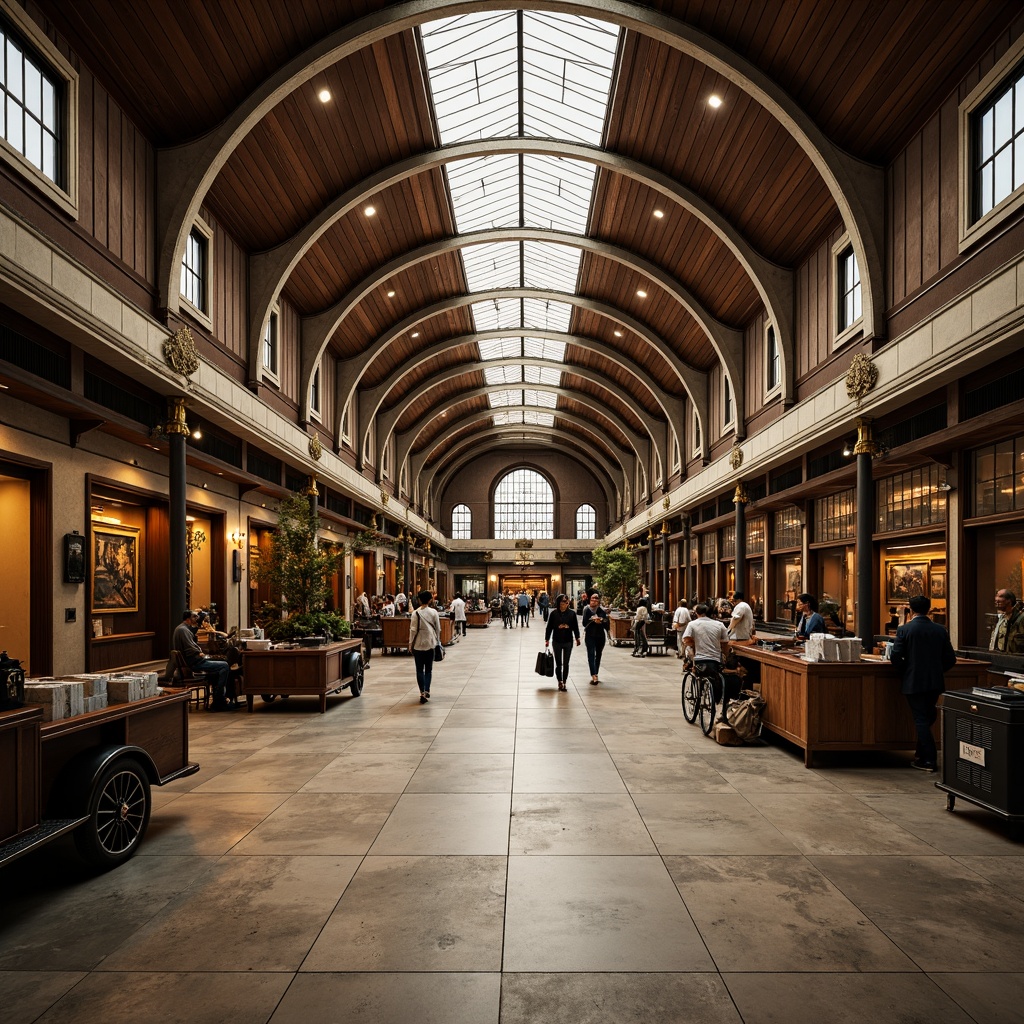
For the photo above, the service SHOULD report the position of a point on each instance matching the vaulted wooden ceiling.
(864, 73)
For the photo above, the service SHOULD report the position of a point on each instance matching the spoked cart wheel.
(706, 707)
(691, 690)
(118, 811)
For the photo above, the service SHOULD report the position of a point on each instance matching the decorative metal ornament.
(316, 449)
(861, 377)
(176, 417)
(384, 498)
(181, 353)
(736, 456)
(561, 556)
(740, 496)
(665, 502)
(665, 530)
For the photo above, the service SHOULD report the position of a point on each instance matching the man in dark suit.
(922, 652)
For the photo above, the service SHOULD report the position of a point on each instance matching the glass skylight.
(541, 375)
(546, 265)
(499, 315)
(528, 416)
(485, 192)
(500, 348)
(504, 374)
(545, 399)
(546, 315)
(500, 398)
(557, 192)
(544, 348)
(493, 265)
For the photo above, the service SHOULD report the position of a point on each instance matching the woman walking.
(640, 620)
(596, 627)
(564, 625)
(424, 636)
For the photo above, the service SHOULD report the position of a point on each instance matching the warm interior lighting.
(197, 434)
(658, 214)
(641, 293)
(324, 95)
(391, 294)
(618, 334)
(714, 101)
(370, 210)
(415, 334)
(4, 387)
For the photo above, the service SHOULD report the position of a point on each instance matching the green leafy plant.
(309, 624)
(616, 572)
(297, 567)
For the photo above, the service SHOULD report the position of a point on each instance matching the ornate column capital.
(176, 417)
(740, 496)
(865, 442)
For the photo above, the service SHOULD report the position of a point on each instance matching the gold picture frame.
(115, 569)
(904, 580)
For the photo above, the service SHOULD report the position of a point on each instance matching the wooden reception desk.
(842, 705)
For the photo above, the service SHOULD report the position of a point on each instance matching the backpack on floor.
(744, 715)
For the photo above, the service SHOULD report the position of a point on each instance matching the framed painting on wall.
(937, 584)
(115, 569)
(904, 580)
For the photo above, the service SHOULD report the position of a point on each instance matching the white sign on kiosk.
(976, 755)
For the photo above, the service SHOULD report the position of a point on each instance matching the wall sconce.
(494, 579)
(236, 538)
(847, 449)
(197, 434)
(555, 577)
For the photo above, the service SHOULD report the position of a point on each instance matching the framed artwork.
(937, 584)
(115, 569)
(904, 580)
(74, 558)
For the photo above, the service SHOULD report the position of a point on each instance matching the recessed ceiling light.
(641, 293)
(658, 214)
(5, 387)
(618, 334)
(391, 294)
(415, 334)
(714, 101)
(370, 210)
(324, 95)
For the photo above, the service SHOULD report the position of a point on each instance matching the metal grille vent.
(973, 732)
(34, 358)
(117, 398)
(995, 395)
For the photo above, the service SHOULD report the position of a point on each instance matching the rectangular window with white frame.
(675, 456)
(695, 448)
(849, 308)
(196, 273)
(271, 345)
(346, 424)
(38, 109)
(991, 141)
(772, 363)
(369, 445)
(728, 405)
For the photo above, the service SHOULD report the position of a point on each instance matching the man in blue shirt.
(810, 621)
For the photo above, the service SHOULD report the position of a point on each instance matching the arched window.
(524, 506)
(586, 523)
(462, 523)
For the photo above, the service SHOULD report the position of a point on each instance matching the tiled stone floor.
(510, 853)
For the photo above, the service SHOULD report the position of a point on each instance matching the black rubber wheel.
(690, 691)
(356, 686)
(706, 707)
(118, 811)
(269, 697)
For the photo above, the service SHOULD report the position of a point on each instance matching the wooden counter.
(478, 620)
(620, 629)
(310, 671)
(395, 635)
(842, 705)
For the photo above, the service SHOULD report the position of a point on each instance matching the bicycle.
(698, 694)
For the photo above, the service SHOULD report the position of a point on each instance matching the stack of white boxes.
(127, 686)
(95, 684)
(60, 699)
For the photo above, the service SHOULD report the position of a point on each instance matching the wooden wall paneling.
(41, 564)
(898, 223)
(86, 211)
(931, 183)
(949, 174)
(754, 365)
(289, 326)
(157, 583)
(99, 164)
(714, 425)
(114, 181)
(914, 209)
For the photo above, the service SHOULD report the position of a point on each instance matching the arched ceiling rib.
(386, 422)
(268, 271)
(187, 172)
(317, 330)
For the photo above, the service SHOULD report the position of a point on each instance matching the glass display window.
(835, 516)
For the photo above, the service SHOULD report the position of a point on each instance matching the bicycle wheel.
(706, 707)
(690, 692)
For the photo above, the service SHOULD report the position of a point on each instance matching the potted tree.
(301, 571)
(616, 573)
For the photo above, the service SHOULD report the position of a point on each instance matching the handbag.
(545, 664)
(438, 652)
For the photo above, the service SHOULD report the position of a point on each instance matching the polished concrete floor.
(510, 853)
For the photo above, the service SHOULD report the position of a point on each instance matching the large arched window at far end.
(524, 506)
(586, 523)
(462, 523)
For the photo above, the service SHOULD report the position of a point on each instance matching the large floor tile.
(424, 824)
(709, 823)
(265, 772)
(844, 999)
(26, 995)
(391, 999)
(557, 741)
(462, 773)
(484, 740)
(579, 772)
(365, 773)
(615, 998)
(940, 913)
(246, 914)
(428, 913)
(196, 998)
(669, 773)
(993, 998)
(597, 914)
(572, 824)
(320, 824)
(761, 913)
